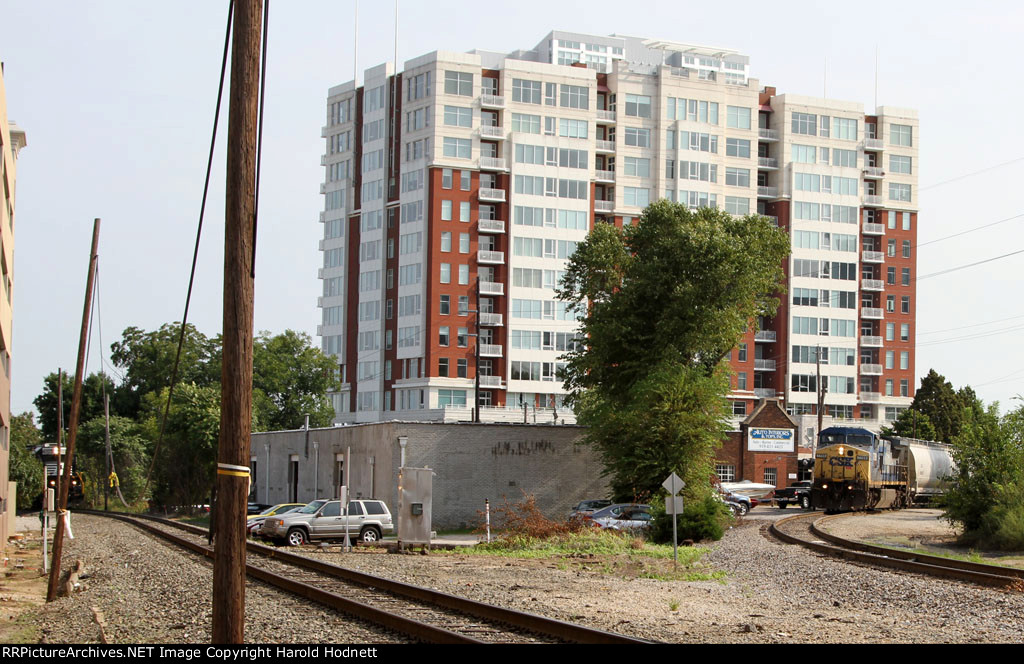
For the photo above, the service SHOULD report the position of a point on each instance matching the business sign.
(770, 440)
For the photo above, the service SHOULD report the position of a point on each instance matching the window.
(898, 164)
(737, 147)
(526, 91)
(637, 137)
(901, 135)
(638, 166)
(572, 128)
(462, 369)
(742, 355)
(463, 243)
(638, 106)
(446, 305)
(527, 124)
(446, 178)
(446, 273)
(890, 331)
(739, 408)
(906, 248)
(906, 276)
(460, 148)
(741, 380)
(846, 158)
(462, 339)
(844, 128)
(574, 96)
(804, 154)
(446, 210)
(725, 472)
(464, 275)
(442, 364)
(805, 123)
(905, 332)
(443, 335)
(457, 116)
(905, 304)
(464, 211)
(904, 361)
(737, 117)
(458, 83)
(637, 196)
(899, 192)
(737, 206)
(737, 177)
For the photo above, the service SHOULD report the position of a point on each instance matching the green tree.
(130, 449)
(937, 399)
(291, 378)
(147, 359)
(25, 468)
(663, 301)
(986, 496)
(93, 388)
(913, 424)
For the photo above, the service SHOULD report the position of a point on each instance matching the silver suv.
(367, 520)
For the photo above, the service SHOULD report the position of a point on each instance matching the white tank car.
(928, 464)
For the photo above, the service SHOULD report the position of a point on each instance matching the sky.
(117, 101)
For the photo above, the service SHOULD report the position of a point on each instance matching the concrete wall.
(472, 463)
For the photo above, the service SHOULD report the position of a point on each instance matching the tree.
(25, 468)
(661, 304)
(937, 399)
(912, 424)
(291, 378)
(92, 401)
(130, 450)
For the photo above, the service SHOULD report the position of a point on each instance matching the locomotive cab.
(855, 469)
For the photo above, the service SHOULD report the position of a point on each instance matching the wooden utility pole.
(76, 400)
(236, 368)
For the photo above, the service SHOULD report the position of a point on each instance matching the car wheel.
(296, 537)
(782, 506)
(732, 508)
(805, 502)
(369, 535)
(743, 509)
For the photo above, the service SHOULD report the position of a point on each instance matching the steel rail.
(531, 622)
(989, 575)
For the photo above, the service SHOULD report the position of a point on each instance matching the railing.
(492, 288)
(493, 164)
(764, 392)
(873, 200)
(873, 313)
(492, 132)
(490, 320)
(873, 172)
(873, 257)
(871, 341)
(490, 225)
(764, 335)
(764, 365)
(490, 350)
(767, 162)
(604, 146)
(494, 101)
(497, 195)
(871, 369)
(606, 116)
(871, 397)
(605, 176)
(767, 192)
(491, 381)
(492, 257)
(604, 206)
(873, 229)
(874, 144)
(872, 284)
(768, 134)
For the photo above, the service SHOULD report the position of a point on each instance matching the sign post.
(673, 505)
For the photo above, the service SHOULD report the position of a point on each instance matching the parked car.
(623, 516)
(587, 507)
(797, 493)
(367, 521)
(739, 503)
(254, 522)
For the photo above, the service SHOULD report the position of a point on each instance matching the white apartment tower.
(456, 189)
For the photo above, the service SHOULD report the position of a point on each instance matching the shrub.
(524, 520)
(702, 519)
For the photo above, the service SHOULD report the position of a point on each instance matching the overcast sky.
(117, 101)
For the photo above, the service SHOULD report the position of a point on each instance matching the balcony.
(492, 132)
(764, 365)
(873, 229)
(490, 320)
(874, 144)
(604, 146)
(604, 206)
(323, 187)
(492, 288)
(491, 382)
(772, 219)
(873, 173)
(490, 257)
(872, 284)
(870, 369)
(606, 117)
(323, 160)
(493, 164)
(490, 350)
(490, 226)
(871, 342)
(492, 101)
(871, 397)
(767, 134)
(323, 216)
(765, 392)
(765, 335)
(871, 313)
(872, 200)
(604, 176)
(323, 131)
(872, 257)
(767, 192)
(491, 195)
(767, 163)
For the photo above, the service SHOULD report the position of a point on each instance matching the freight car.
(856, 469)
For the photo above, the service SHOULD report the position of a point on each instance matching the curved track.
(421, 613)
(803, 529)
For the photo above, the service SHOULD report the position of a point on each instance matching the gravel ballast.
(772, 593)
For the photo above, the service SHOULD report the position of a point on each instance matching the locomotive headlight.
(824, 486)
(849, 488)
(841, 450)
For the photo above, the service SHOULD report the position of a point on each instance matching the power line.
(967, 175)
(971, 230)
(964, 327)
(963, 267)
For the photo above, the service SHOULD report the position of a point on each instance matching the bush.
(704, 519)
(524, 520)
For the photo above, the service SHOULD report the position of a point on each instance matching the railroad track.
(803, 529)
(421, 613)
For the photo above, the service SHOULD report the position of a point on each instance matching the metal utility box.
(415, 495)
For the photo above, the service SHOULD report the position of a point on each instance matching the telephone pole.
(236, 375)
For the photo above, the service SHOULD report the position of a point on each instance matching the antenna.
(355, 46)
(824, 77)
(876, 79)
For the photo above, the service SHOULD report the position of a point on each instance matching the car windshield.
(274, 509)
(311, 508)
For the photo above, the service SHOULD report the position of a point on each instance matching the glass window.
(638, 106)
(737, 117)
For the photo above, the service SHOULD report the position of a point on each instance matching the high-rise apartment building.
(12, 139)
(456, 189)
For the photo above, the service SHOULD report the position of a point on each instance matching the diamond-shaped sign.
(673, 484)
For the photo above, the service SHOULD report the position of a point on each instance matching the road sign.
(673, 484)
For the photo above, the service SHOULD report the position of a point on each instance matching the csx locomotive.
(856, 469)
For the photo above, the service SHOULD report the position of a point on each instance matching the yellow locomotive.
(856, 469)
